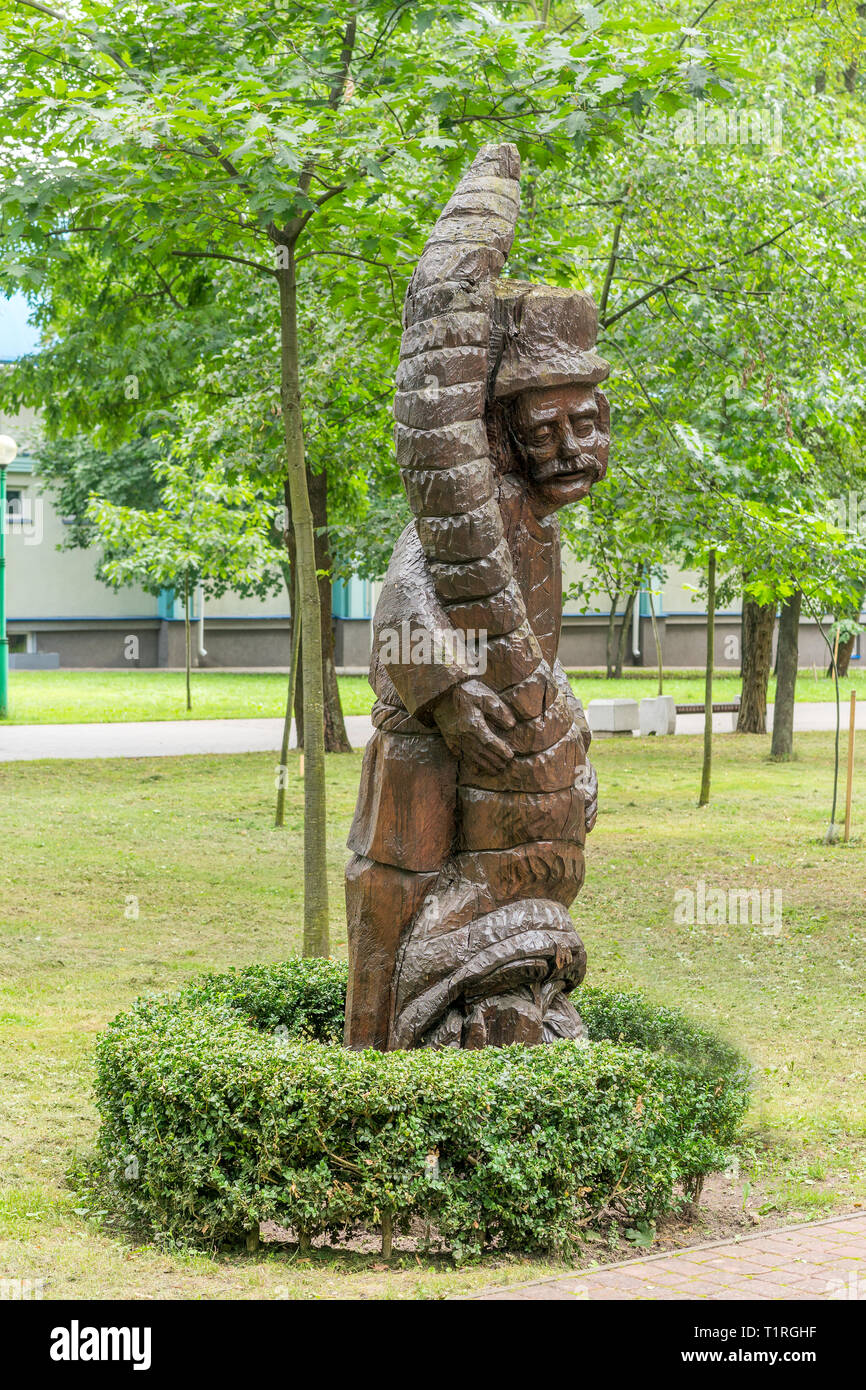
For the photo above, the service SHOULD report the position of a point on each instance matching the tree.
(742, 324)
(206, 532)
(224, 133)
(612, 537)
(135, 352)
(282, 771)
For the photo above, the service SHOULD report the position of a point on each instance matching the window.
(19, 508)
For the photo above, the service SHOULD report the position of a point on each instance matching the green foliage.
(721, 246)
(216, 1117)
(74, 469)
(721, 241)
(175, 168)
(206, 531)
(629, 1018)
(304, 998)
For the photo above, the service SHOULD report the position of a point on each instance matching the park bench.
(732, 707)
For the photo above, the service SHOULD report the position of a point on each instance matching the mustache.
(557, 467)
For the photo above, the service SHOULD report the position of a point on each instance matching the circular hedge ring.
(234, 1103)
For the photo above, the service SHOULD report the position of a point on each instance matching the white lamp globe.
(8, 450)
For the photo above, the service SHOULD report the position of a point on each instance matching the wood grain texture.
(476, 792)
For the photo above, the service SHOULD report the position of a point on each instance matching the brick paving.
(824, 1259)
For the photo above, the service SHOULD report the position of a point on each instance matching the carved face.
(563, 434)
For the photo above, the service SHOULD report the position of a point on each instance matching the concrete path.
(809, 717)
(24, 742)
(19, 742)
(825, 1259)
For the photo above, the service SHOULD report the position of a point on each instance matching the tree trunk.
(759, 620)
(832, 835)
(336, 738)
(657, 640)
(782, 746)
(315, 857)
(624, 631)
(611, 632)
(186, 633)
(280, 816)
(708, 684)
(845, 646)
(843, 657)
(387, 1234)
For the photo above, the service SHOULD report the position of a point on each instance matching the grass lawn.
(112, 697)
(125, 877)
(95, 697)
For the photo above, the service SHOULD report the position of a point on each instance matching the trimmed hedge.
(234, 1103)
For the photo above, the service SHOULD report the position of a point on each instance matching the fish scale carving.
(447, 338)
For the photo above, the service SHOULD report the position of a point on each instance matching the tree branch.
(66, 19)
(224, 256)
(696, 21)
(614, 253)
(354, 256)
(689, 271)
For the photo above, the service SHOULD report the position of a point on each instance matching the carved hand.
(464, 716)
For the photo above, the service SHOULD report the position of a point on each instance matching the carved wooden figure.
(476, 793)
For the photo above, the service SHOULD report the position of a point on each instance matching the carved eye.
(583, 426)
(542, 434)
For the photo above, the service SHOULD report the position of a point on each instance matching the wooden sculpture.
(476, 793)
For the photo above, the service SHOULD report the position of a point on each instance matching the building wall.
(44, 580)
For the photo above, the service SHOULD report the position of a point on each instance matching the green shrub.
(631, 1019)
(216, 1116)
(303, 999)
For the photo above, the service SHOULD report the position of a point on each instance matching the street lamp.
(8, 453)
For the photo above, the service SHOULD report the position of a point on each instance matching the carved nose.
(570, 445)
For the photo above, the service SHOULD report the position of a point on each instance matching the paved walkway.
(825, 1259)
(809, 717)
(24, 742)
(156, 739)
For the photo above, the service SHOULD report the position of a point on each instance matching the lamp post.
(8, 452)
